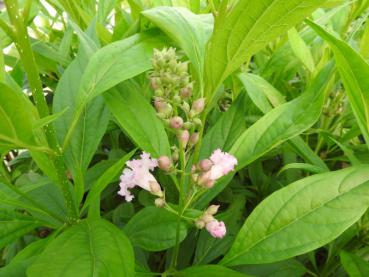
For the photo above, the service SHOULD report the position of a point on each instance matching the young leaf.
(138, 118)
(300, 49)
(246, 28)
(301, 217)
(354, 72)
(154, 229)
(354, 265)
(90, 248)
(190, 31)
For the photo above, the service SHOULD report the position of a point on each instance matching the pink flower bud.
(194, 138)
(204, 178)
(154, 83)
(176, 122)
(164, 163)
(212, 210)
(186, 92)
(205, 165)
(160, 106)
(183, 137)
(216, 228)
(198, 105)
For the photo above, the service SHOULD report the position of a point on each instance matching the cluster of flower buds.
(208, 171)
(173, 101)
(216, 228)
(138, 173)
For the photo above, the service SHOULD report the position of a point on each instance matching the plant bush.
(184, 138)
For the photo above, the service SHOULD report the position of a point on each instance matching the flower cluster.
(138, 173)
(173, 101)
(208, 171)
(216, 228)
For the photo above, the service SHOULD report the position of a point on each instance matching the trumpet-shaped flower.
(138, 173)
(216, 228)
(223, 163)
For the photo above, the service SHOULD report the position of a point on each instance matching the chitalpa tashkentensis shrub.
(180, 111)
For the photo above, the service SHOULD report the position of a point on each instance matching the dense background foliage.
(286, 85)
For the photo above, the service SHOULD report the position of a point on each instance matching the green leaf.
(282, 123)
(154, 229)
(303, 166)
(246, 28)
(19, 264)
(117, 62)
(354, 265)
(209, 270)
(290, 268)
(138, 118)
(354, 72)
(90, 248)
(17, 117)
(226, 130)
(303, 216)
(14, 225)
(301, 50)
(102, 182)
(190, 31)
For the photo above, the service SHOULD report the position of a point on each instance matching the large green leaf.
(244, 29)
(138, 118)
(17, 117)
(301, 217)
(14, 225)
(154, 229)
(284, 122)
(354, 72)
(190, 31)
(118, 62)
(209, 270)
(354, 265)
(90, 248)
(19, 264)
(91, 125)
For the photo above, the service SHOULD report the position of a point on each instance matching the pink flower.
(216, 228)
(223, 163)
(138, 174)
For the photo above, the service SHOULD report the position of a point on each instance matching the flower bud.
(197, 122)
(177, 99)
(194, 138)
(212, 210)
(185, 106)
(159, 202)
(195, 177)
(164, 163)
(156, 189)
(176, 122)
(154, 83)
(199, 224)
(207, 218)
(183, 137)
(198, 105)
(159, 93)
(204, 178)
(160, 106)
(187, 125)
(186, 92)
(205, 165)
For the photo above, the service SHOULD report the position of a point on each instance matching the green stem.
(24, 47)
(180, 206)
